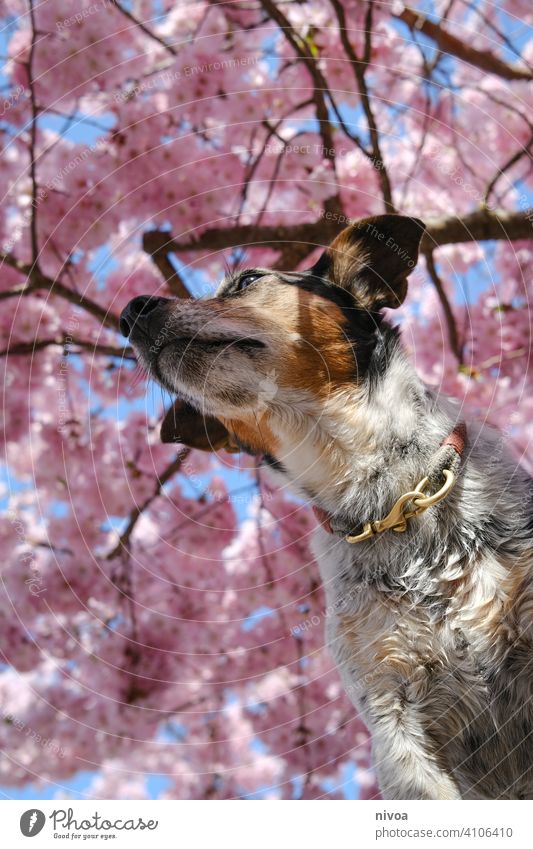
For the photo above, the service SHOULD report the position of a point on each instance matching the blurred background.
(161, 618)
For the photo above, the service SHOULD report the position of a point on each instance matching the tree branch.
(516, 157)
(320, 86)
(453, 335)
(20, 348)
(263, 235)
(17, 292)
(359, 67)
(253, 164)
(33, 139)
(453, 46)
(36, 281)
(480, 225)
(136, 513)
(144, 28)
(155, 243)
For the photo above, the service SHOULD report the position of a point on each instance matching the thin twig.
(33, 139)
(144, 28)
(302, 50)
(135, 514)
(453, 335)
(359, 67)
(516, 157)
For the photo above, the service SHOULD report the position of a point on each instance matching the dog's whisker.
(138, 374)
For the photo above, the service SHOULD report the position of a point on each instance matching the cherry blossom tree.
(160, 612)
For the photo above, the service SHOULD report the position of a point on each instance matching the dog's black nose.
(137, 307)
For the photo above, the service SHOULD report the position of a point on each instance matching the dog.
(425, 533)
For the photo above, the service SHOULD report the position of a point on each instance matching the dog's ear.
(184, 424)
(372, 259)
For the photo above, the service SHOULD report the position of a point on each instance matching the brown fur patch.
(319, 356)
(254, 432)
(324, 359)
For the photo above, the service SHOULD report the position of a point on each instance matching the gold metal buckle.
(398, 517)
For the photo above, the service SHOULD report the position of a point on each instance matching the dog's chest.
(388, 638)
(385, 642)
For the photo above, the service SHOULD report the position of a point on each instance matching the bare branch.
(33, 139)
(17, 292)
(253, 164)
(359, 67)
(480, 225)
(453, 46)
(453, 335)
(137, 511)
(261, 235)
(155, 243)
(20, 348)
(144, 28)
(477, 10)
(36, 281)
(107, 318)
(516, 157)
(302, 50)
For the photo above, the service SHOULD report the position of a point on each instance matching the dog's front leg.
(390, 698)
(405, 765)
(406, 760)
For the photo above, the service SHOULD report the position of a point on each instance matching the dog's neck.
(370, 442)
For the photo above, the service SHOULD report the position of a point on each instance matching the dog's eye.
(246, 280)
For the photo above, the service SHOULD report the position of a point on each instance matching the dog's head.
(269, 344)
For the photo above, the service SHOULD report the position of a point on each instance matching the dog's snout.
(138, 307)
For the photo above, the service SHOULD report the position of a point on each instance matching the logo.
(32, 822)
